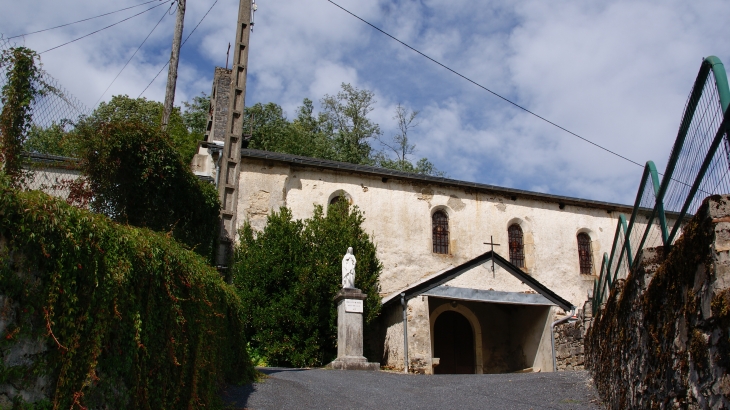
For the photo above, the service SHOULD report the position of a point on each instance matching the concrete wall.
(398, 214)
(663, 338)
(53, 180)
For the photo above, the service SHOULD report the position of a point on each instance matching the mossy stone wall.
(662, 339)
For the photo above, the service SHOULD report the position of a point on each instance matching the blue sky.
(616, 72)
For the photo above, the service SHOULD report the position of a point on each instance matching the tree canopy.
(185, 130)
(134, 175)
(288, 274)
(342, 131)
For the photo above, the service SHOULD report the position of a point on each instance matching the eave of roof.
(445, 276)
(55, 161)
(390, 173)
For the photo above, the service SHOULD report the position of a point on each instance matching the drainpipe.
(405, 331)
(552, 334)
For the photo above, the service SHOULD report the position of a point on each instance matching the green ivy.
(131, 319)
(287, 276)
(136, 176)
(22, 86)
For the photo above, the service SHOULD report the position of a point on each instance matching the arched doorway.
(453, 344)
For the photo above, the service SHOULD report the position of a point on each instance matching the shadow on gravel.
(237, 397)
(271, 370)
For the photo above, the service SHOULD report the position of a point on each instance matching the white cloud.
(616, 72)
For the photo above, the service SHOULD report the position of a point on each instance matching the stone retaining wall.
(663, 338)
(569, 350)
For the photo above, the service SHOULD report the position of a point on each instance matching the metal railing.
(698, 167)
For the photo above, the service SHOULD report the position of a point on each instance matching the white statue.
(348, 269)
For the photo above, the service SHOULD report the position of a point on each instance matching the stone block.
(352, 363)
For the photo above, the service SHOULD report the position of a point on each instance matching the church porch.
(473, 336)
(453, 329)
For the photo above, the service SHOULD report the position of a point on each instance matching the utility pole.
(230, 163)
(174, 60)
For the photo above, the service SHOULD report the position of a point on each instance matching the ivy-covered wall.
(102, 315)
(663, 338)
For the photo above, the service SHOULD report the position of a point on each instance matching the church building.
(483, 271)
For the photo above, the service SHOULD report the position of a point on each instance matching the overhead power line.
(86, 19)
(183, 43)
(96, 31)
(135, 53)
(483, 87)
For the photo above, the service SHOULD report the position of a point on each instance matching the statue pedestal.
(349, 332)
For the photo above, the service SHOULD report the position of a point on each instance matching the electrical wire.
(183, 43)
(483, 87)
(86, 19)
(94, 32)
(135, 53)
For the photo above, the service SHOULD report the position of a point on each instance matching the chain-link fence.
(54, 110)
(698, 166)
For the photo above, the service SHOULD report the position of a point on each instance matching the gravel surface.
(338, 389)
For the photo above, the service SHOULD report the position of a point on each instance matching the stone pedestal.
(349, 332)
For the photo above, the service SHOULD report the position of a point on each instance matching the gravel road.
(337, 389)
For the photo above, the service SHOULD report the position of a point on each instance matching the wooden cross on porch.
(492, 244)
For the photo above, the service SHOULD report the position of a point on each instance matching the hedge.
(130, 318)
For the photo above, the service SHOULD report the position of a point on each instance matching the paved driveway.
(337, 389)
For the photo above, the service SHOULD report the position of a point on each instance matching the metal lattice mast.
(230, 163)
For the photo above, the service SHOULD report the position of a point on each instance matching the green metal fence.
(698, 166)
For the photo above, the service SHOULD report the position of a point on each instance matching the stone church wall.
(398, 216)
(663, 338)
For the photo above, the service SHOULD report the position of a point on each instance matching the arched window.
(440, 225)
(516, 246)
(336, 199)
(585, 254)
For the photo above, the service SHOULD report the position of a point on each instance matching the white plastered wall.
(398, 218)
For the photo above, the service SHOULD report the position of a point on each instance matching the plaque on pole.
(350, 302)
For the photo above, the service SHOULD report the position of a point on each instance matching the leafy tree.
(341, 132)
(288, 274)
(23, 85)
(54, 140)
(122, 108)
(345, 120)
(134, 175)
(269, 128)
(195, 116)
(401, 146)
(272, 131)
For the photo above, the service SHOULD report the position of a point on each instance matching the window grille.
(516, 246)
(585, 255)
(440, 223)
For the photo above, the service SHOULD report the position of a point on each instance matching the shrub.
(136, 176)
(287, 277)
(130, 318)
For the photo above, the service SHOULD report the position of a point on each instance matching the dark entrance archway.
(453, 344)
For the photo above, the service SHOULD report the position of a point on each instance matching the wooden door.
(453, 344)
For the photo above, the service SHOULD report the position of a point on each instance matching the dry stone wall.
(662, 340)
(569, 349)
